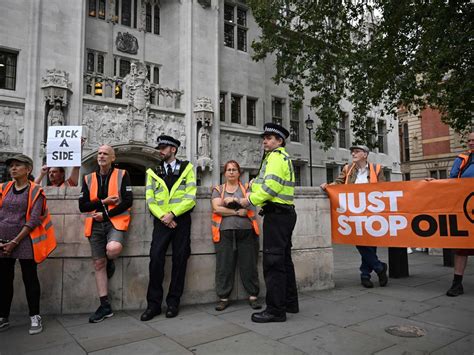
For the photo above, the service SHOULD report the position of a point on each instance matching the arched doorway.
(135, 158)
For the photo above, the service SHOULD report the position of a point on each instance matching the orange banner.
(425, 214)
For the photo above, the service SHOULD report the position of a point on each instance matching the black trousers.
(180, 240)
(30, 280)
(278, 268)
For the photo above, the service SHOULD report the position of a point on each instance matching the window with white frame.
(8, 61)
(235, 26)
(251, 111)
(235, 108)
(294, 123)
(277, 111)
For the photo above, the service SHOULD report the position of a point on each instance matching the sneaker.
(110, 268)
(366, 283)
(4, 324)
(36, 326)
(383, 278)
(101, 313)
(221, 305)
(455, 290)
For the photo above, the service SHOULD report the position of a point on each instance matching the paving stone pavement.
(348, 319)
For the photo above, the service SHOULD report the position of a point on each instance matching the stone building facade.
(129, 70)
(427, 145)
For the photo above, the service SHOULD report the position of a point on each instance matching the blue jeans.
(370, 261)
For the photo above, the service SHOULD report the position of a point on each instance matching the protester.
(235, 235)
(273, 190)
(106, 197)
(361, 172)
(27, 234)
(57, 175)
(463, 167)
(171, 197)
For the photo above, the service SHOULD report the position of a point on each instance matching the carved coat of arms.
(126, 43)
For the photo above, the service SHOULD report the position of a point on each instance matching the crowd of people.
(106, 199)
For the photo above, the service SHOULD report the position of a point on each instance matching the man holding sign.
(361, 172)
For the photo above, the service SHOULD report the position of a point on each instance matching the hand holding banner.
(63, 147)
(435, 214)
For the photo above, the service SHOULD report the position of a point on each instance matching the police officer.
(171, 196)
(273, 190)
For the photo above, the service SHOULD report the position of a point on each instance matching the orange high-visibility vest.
(120, 221)
(217, 218)
(464, 159)
(43, 238)
(374, 170)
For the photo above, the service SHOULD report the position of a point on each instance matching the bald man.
(106, 198)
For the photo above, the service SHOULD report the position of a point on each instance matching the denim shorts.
(103, 233)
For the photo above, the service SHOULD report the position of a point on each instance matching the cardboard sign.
(425, 214)
(63, 147)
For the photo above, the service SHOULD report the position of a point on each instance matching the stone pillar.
(204, 117)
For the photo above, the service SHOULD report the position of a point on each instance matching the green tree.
(380, 54)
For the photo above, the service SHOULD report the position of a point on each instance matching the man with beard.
(171, 197)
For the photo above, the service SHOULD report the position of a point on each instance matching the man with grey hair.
(106, 198)
(361, 172)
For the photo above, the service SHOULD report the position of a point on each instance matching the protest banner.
(63, 147)
(425, 214)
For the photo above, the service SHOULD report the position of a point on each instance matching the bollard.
(398, 262)
(448, 257)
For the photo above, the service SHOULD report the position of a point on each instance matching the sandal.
(221, 305)
(254, 304)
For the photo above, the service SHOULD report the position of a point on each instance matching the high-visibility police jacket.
(179, 200)
(217, 218)
(275, 181)
(43, 238)
(120, 221)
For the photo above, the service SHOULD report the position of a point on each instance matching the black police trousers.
(278, 268)
(179, 238)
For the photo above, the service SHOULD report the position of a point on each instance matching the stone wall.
(67, 277)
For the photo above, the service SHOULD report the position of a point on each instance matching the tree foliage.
(381, 54)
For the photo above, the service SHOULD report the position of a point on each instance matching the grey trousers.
(237, 245)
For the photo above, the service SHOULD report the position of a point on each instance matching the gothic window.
(251, 112)
(127, 13)
(222, 107)
(277, 111)
(90, 62)
(148, 18)
(135, 13)
(381, 136)
(233, 28)
(148, 72)
(156, 75)
(100, 63)
(124, 68)
(92, 8)
(102, 9)
(295, 124)
(156, 20)
(8, 69)
(342, 130)
(235, 108)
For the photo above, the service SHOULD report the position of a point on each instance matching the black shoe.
(366, 283)
(101, 313)
(455, 290)
(149, 314)
(110, 268)
(172, 311)
(294, 308)
(383, 278)
(266, 317)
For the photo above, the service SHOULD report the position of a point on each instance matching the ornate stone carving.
(55, 115)
(246, 150)
(137, 88)
(56, 87)
(113, 125)
(204, 114)
(127, 43)
(11, 128)
(112, 17)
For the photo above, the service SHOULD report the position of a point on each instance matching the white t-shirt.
(362, 175)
